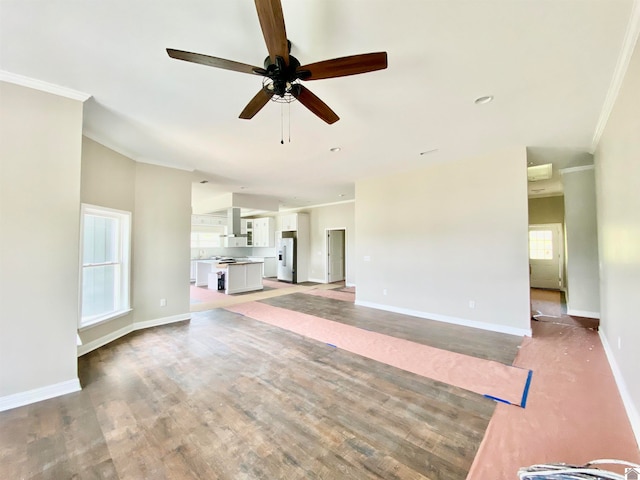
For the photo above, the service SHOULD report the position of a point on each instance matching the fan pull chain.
(281, 124)
(289, 104)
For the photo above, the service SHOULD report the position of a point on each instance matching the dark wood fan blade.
(256, 104)
(272, 24)
(213, 61)
(314, 104)
(341, 67)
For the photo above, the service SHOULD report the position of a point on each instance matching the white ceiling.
(548, 63)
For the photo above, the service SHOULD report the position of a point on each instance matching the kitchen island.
(238, 277)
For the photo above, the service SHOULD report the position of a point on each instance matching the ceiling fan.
(282, 70)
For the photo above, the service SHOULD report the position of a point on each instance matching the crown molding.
(43, 86)
(564, 171)
(628, 46)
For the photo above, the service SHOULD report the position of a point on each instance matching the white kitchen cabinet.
(270, 268)
(246, 225)
(269, 265)
(234, 241)
(239, 277)
(263, 232)
(208, 220)
(288, 222)
(203, 269)
(247, 228)
(193, 270)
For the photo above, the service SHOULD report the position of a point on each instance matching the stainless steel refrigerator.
(287, 260)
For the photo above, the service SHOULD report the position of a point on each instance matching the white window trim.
(125, 296)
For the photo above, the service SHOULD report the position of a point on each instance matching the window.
(105, 268)
(206, 237)
(540, 244)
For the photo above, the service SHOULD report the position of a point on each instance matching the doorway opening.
(336, 254)
(546, 256)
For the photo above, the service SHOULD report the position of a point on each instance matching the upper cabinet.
(209, 220)
(290, 222)
(246, 225)
(263, 232)
(246, 228)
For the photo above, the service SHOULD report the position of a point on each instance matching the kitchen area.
(231, 254)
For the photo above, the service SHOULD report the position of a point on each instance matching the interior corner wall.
(338, 216)
(161, 244)
(108, 180)
(448, 242)
(583, 295)
(618, 199)
(40, 150)
(160, 201)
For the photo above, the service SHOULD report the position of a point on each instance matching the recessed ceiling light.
(481, 100)
(426, 152)
(335, 149)
(204, 181)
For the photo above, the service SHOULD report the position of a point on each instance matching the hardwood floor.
(455, 338)
(227, 397)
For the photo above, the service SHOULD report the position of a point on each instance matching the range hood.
(234, 225)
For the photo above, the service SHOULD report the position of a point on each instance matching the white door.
(546, 255)
(335, 255)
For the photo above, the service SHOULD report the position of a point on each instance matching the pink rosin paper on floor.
(333, 294)
(481, 376)
(574, 415)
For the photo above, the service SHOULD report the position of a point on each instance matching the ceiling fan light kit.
(282, 72)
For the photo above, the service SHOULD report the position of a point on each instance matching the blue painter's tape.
(332, 345)
(497, 399)
(525, 394)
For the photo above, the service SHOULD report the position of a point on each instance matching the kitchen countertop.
(223, 265)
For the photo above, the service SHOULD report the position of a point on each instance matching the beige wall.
(161, 242)
(160, 201)
(617, 161)
(339, 216)
(583, 294)
(546, 210)
(40, 149)
(438, 238)
(108, 180)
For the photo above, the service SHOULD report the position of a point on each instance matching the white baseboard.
(324, 280)
(156, 322)
(632, 411)
(38, 394)
(62, 388)
(493, 327)
(583, 313)
(99, 342)
(88, 347)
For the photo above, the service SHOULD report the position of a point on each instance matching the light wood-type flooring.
(226, 397)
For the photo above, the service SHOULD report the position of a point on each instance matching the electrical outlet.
(472, 304)
(384, 291)
(163, 302)
(367, 258)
